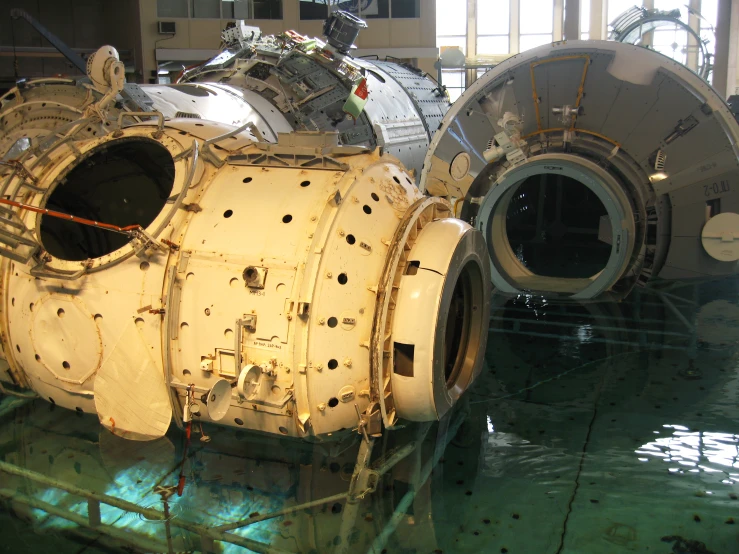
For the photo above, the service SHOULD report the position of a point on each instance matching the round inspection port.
(122, 182)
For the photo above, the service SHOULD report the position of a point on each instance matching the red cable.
(181, 482)
(127, 230)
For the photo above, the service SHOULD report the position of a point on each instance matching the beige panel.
(204, 33)
(310, 28)
(180, 40)
(377, 35)
(427, 65)
(290, 15)
(405, 32)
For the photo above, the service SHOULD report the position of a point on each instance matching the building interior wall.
(131, 26)
(84, 25)
(204, 34)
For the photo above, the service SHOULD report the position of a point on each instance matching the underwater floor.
(600, 428)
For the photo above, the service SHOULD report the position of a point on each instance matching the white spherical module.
(291, 288)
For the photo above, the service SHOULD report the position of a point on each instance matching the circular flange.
(507, 269)
(720, 237)
(249, 381)
(460, 166)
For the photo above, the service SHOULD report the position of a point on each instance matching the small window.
(403, 359)
(172, 8)
(406, 9)
(713, 207)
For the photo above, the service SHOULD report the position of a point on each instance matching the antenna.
(219, 400)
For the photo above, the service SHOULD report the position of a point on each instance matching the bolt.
(341, 233)
(313, 218)
(348, 362)
(322, 406)
(328, 275)
(289, 317)
(319, 367)
(321, 321)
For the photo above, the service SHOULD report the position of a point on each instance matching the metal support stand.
(364, 481)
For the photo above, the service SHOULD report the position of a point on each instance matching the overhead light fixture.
(657, 177)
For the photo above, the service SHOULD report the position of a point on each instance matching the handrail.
(158, 115)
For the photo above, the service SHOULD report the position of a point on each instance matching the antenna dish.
(219, 400)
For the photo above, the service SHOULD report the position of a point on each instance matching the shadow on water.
(604, 427)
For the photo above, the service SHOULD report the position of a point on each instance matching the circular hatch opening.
(553, 224)
(461, 321)
(124, 182)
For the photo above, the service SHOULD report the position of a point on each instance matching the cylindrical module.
(298, 288)
(592, 167)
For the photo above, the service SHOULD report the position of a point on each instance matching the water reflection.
(696, 451)
(568, 443)
(233, 476)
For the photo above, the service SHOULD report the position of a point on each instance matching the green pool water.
(598, 428)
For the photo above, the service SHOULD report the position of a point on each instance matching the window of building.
(406, 9)
(536, 23)
(451, 31)
(172, 8)
(251, 9)
(669, 5)
(617, 7)
(369, 9)
(707, 22)
(584, 19)
(206, 9)
(493, 27)
(673, 40)
(314, 9)
(451, 24)
(453, 80)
